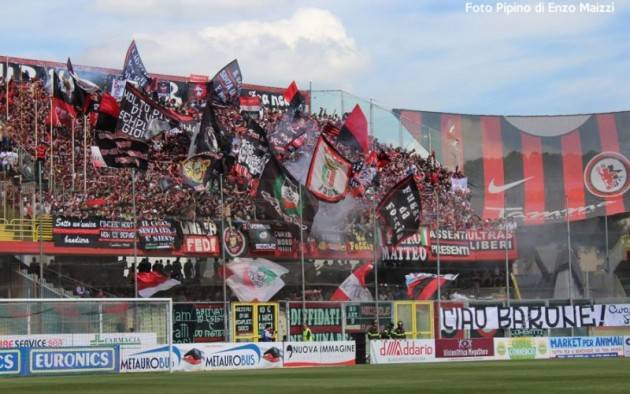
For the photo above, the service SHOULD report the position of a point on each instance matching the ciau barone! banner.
(519, 317)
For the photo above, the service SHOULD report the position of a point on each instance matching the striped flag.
(353, 288)
(534, 168)
(422, 286)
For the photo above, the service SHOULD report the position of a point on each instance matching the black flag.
(400, 209)
(226, 84)
(134, 70)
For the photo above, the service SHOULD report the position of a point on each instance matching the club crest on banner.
(606, 175)
(233, 241)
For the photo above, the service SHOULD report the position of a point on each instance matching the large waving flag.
(254, 279)
(400, 209)
(353, 288)
(226, 84)
(281, 198)
(150, 283)
(423, 286)
(329, 173)
(354, 132)
(134, 69)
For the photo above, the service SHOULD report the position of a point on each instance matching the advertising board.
(465, 349)
(522, 348)
(403, 351)
(72, 360)
(319, 354)
(586, 347)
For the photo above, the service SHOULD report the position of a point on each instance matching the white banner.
(589, 347)
(314, 354)
(218, 356)
(403, 351)
(525, 317)
(124, 339)
(524, 348)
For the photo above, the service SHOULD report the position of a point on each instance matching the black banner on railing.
(194, 323)
(158, 234)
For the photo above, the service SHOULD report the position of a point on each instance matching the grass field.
(549, 376)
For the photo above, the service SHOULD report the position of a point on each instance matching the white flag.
(255, 279)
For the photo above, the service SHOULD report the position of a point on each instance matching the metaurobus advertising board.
(148, 358)
(222, 356)
(319, 354)
(626, 346)
(589, 347)
(402, 351)
(521, 348)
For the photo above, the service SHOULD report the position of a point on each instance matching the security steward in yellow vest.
(372, 332)
(307, 334)
(399, 332)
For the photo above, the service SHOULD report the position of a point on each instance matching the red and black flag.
(226, 85)
(133, 69)
(117, 149)
(83, 89)
(280, 197)
(400, 209)
(534, 169)
(62, 110)
(294, 98)
(354, 132)
(422, 286)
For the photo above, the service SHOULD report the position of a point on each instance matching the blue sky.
(430, 55)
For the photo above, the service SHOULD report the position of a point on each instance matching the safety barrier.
(26, 229)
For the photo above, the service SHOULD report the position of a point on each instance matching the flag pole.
(36, 119)
(507, 263)
(226, 332)
(375, 262)
(6, 84)
(570, 276)
(85, 155)
(74, 174)
(135, 239)
(51, 184)
(439, 267)
(302, 256)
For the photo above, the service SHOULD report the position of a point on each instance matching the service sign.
(123, 339)
(524, 348)
(402, 351)
(586, 347)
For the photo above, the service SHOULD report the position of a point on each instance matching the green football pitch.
(549, 376)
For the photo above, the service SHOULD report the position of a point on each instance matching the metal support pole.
(302, 259)
(375, 262)
(36, 121)
(439, 267)
(507, 263)
(6, 84)
(135, 239)
(51, 181)
(85, 155)
(39, 230)
(223, 262)
(74, 174)
(169, 330)
(608, 265)
(570, 278)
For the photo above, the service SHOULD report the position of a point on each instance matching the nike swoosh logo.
(494, 189)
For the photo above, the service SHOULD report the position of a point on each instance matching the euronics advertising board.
(10, 362)
(72, 360)
(318, 354)
(124, 339)
(586, 347)
(402, 351)
(521, 348)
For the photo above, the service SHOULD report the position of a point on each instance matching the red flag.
(150, 283)
(355, 130)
